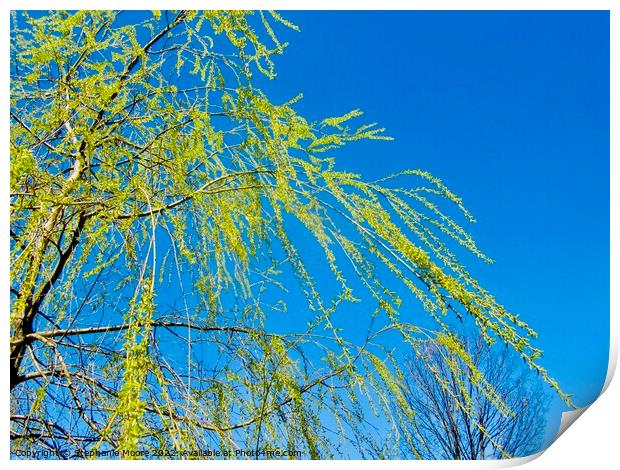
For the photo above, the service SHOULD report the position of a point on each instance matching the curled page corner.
(568, 418)
(517, 461)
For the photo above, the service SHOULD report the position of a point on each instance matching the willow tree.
(161, 207)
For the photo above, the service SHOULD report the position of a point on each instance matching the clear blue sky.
(511, 110)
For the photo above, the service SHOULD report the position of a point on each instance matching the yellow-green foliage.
(135, 370)
(153, 136)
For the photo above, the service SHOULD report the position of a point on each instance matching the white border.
(592, 443)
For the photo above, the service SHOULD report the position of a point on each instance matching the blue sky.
(511, 110)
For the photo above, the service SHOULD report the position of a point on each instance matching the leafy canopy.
(156, 197)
